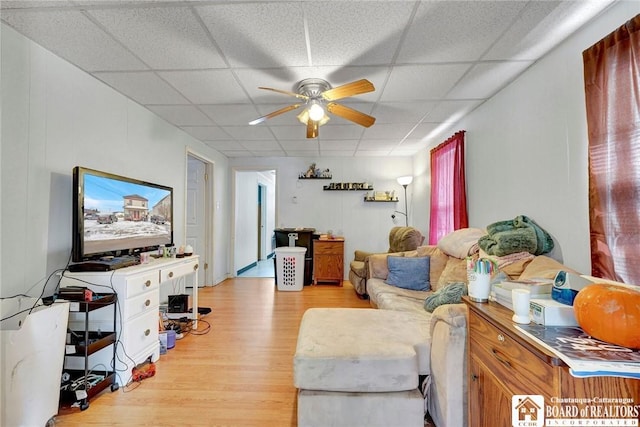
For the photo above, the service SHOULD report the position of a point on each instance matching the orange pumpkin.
(609, 313)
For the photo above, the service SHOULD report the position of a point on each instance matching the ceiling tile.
(207, 133)
(184, 42)
(451, 110)
(301, 144)
(369, 41)
(484, 80)
(422, 82)
(261, 145)
(340, 153)
(223, 145)
(402, 112)
(338, 145)
(422, 131)
(206, 86)
(388, 131)
(70, 35)
(231, 114)
(446, 31)
(258, 35)
(181, 115)
(144, 87)
(269, 153)
(333, 132)
(290, 133)
(249, 133)
(303, 153)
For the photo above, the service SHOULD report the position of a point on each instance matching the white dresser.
(138, 289)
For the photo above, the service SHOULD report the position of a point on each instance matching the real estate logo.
(527, 410)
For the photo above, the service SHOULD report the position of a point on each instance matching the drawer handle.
(147, 332)
(501, 358)
(500, 337)
(170, 274)
(147, 283)
(147, 302)
(195, 267)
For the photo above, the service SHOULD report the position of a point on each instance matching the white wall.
(304, 203)
(55, 117)
(526, 148)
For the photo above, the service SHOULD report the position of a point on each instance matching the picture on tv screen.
(122, 214)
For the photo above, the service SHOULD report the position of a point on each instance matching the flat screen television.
(115, 215)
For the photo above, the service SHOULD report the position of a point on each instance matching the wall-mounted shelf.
(314, 177)
(348, 186)
(381, 201)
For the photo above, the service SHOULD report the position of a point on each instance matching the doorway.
(199, 224)
(254, 222)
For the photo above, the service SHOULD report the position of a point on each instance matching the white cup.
(520, 299)
(479, 286)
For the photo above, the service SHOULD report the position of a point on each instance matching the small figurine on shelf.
(326, 173)
(312, 171)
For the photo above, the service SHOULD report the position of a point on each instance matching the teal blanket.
(517, 235)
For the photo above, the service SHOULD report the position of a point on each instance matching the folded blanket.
(518, 235)
(461, 243)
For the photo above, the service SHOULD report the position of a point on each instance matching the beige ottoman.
(360, 367)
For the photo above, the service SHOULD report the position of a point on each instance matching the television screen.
(116, 215)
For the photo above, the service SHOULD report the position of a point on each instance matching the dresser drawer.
(141, 332)
(143, 282)
(147, 302)
(327, 248)
(516, 366)
(175, 271)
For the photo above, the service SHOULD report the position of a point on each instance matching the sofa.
(400, 239)
(446, 384)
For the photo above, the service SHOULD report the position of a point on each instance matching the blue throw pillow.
(409, 272)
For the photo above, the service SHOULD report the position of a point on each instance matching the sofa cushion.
(386, 296)
(409, 272)
(404, 239)
(437, 263)
(361, 350)
(454, 271)
(450, 294)
(543, 267)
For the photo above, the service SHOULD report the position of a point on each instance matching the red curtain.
(612, 93)
(448, 188)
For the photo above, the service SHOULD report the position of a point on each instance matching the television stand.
(105, 264)
(138, 289)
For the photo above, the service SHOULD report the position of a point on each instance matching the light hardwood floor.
(238, 374)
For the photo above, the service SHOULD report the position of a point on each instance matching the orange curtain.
(612, 93)
(448, 210)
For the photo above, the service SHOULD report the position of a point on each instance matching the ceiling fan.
(319, 97)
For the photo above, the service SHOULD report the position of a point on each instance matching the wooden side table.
(328, 260)
(504, 362)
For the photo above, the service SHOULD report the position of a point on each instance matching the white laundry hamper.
(290, 268)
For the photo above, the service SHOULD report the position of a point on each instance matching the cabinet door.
(489, 400)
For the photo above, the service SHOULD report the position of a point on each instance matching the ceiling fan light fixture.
(316, 112)
(304, 118)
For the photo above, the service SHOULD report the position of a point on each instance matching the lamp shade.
(405, 180)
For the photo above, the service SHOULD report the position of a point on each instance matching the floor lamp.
(404, 181)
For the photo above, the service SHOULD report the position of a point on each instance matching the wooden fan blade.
(285, 92)
(349, 89)
(312, 129)
(275, 113)
(350, 114)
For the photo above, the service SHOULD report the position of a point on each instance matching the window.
(612, 93)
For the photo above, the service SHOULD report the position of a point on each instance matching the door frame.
(207, 258)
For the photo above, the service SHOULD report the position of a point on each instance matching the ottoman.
(360, 367)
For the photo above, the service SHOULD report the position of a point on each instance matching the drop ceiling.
(198, 64)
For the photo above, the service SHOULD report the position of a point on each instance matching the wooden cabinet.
(503, 362)
(328, 260)
(138, 290)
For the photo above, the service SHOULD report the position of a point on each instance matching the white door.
(196, 213)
